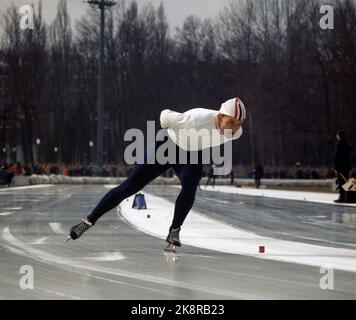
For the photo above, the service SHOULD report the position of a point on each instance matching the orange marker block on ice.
(261, 249)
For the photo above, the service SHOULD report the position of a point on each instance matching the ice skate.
(173, 240)
(77, 230)
(170, 248)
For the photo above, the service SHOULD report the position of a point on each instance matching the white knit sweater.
(195, 129)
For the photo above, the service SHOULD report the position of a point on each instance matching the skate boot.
(77, 230)
(173, 240)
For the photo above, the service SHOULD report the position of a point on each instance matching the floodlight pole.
(100, 102)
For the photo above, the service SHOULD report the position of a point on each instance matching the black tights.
(141, 175)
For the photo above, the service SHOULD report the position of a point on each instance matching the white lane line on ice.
(106, 256)
(6, 213)
(26, 187)
(6, 232)
(201, 231)
(60, 294)
(56, 227)
(39, 241)
(322, 240)
(318, 197)
(19, 247)
(14, 250)
(14, 208)
(25, 247)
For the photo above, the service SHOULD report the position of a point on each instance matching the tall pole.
(100, 102)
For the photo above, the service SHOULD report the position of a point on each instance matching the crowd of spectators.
(8, 171)
(74, 170)
(300, 173)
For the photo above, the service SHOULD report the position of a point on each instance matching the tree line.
(296, 79)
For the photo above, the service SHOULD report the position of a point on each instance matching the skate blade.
(170, 248)
(69, 238)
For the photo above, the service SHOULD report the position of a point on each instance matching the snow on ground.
(203, 232)
(319, 197)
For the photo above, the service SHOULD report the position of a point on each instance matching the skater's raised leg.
(140, 176)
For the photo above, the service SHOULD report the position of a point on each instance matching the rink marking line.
(17, 251)
(201, 231)
(6, 213)
(26, 187)
(183, 254)
(317, 197)
(221, 201)
(321, 240)
(39, 241)
(107, 256)
(60, 294)
(56, 227)
(21, 248)
(14, 208)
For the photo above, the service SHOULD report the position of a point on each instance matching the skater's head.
(340, 134)
(228, 123)
(232, 115)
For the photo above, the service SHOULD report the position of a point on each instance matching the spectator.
(282, 174)
(315, 175)
(28, 170)
(232, 177)
(36, 169)
(258, 173)
(307, 174)
(18, 169)
(342, 163)
(45, 169)
(65, 171)
(8, 173)
(54, 169)
(105, 172)
(114, 171)
(300, 174)
(211, 176)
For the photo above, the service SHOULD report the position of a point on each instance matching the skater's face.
(228, 123)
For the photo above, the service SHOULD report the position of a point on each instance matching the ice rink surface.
(122, 256)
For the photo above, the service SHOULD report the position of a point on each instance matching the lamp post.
(4, 154)
(56, 154)
(91, 144)
(102, 4)
(38, 142)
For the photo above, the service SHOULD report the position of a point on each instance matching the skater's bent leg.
(140, 176)
(189, 176)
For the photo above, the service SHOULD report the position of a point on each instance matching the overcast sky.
(176, 10)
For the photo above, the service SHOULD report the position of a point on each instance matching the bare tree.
(25, 53)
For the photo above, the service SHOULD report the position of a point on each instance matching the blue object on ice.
(139, 201)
